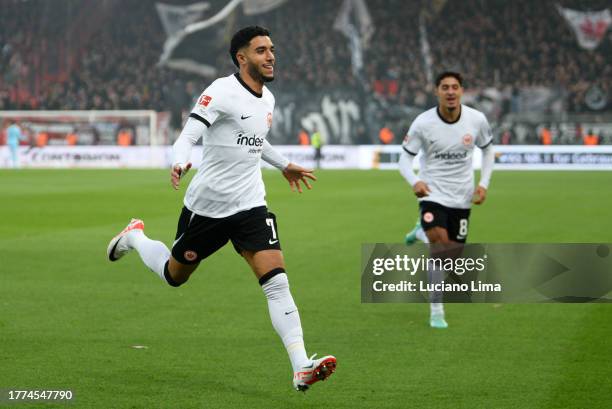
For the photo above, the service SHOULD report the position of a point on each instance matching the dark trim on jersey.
(266, 277)
(199, 118)
(407, 151)
(449, 122)
(486, 144)
(244, 84)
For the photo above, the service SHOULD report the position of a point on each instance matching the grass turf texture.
(68, 317)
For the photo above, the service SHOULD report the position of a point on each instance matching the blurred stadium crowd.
(103, 55)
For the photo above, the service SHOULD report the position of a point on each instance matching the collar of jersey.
(449, 122)
(256, 94)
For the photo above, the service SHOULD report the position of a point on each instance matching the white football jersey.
(238, 120)
(446, 160)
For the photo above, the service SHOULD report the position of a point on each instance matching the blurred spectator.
(385, 135)
(546, 136)
(506, 138)
(303, 138)
(590, 138)
(317, 143)
(14, 136)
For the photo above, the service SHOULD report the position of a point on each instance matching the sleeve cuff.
(408, 152)
(486, 144)
(199, 118)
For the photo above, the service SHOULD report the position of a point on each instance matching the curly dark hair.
(447, 74)
(243, 37)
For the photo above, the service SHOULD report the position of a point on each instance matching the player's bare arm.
(294, 174)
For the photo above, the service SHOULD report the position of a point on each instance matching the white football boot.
(318, 370)
(118, 247)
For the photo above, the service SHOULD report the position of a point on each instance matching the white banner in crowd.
(355, 22)
(181, 21)
(518, 157)
(175, 18)
(589, 26)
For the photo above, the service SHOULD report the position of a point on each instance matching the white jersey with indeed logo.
(238, 120)
(446, 161)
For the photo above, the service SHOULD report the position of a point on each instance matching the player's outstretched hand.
(177, 172)
(421, 189)
(294, 174)
(480, 195)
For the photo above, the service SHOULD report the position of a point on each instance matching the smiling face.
(258, 57)
(449, 93)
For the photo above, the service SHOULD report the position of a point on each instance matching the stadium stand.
(103, 55)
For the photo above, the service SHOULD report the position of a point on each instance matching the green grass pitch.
(69, 318)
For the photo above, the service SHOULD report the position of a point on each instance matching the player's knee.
(437, 235)
(439, 240)
(174, 280)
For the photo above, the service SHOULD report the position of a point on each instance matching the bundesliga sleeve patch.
(204, 100)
